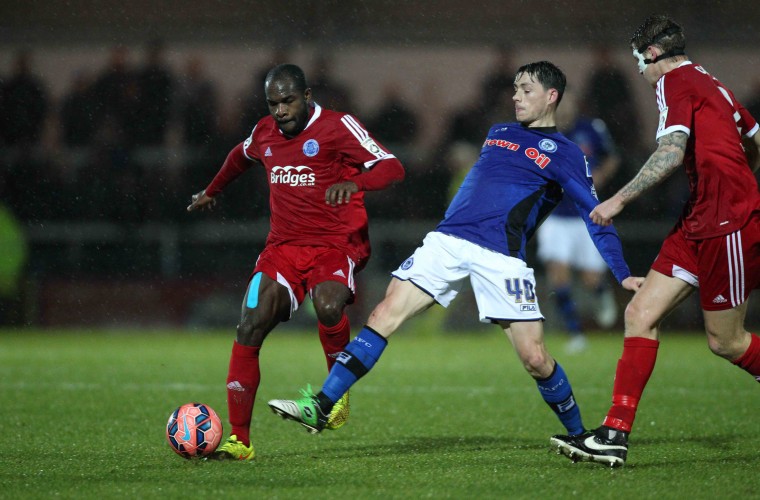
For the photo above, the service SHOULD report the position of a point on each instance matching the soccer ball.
(194, 430)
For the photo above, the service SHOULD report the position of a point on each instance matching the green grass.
(441, 416)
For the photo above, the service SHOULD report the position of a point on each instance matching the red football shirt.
(723, 189)
(331, 149)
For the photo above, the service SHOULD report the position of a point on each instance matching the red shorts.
(300, 269)
(725, 268)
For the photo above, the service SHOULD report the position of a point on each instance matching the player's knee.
(385, 318)
(245, 331)
(721, 347)
(249, 332)
(715, 346)
(723, 344)
(330, 299)
(637, 319)
(328, 312)
(537, 363)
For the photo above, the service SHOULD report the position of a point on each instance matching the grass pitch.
(441, 416)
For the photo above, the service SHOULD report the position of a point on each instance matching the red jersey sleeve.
(358, 145)
(236, 163)
(674, 101)
(382, 175)
(747, 123)
(251, 147)
(722, 190)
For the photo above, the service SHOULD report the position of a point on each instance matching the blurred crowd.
(128, 143)
(131, 142)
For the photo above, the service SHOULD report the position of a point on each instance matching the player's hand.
(340, 193)
(201, 201)
(603, 213)
(633, 283)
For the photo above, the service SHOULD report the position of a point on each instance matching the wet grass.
(442, 416)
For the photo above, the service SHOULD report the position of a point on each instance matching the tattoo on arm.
(663, 162)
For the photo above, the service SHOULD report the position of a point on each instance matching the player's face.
(532, 102)
(650, 72)
(289, 107)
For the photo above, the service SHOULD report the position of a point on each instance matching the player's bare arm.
(201, 200)
(663, 162)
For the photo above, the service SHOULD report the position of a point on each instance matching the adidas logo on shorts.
(719, 300)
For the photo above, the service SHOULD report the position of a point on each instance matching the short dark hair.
(288, 72)
(547, 74)
(659, 30)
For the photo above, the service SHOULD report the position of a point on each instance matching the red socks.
(750, 360)
(244, 375)
(635, 367)
(633, 371)
(243, 380)
(334, 339)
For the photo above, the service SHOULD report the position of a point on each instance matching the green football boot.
(305, 411)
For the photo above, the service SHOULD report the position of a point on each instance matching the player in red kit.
(318, 163)
(714, 246)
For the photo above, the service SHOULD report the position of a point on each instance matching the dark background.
(102, 214)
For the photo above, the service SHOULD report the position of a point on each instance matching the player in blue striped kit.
(523, 170)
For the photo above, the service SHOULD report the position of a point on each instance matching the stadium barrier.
(104, 274)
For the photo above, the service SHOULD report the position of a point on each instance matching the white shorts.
(566, 240)
(504, 287)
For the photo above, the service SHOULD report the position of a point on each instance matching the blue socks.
(567, 308)
(359, 356)
(558, 394)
